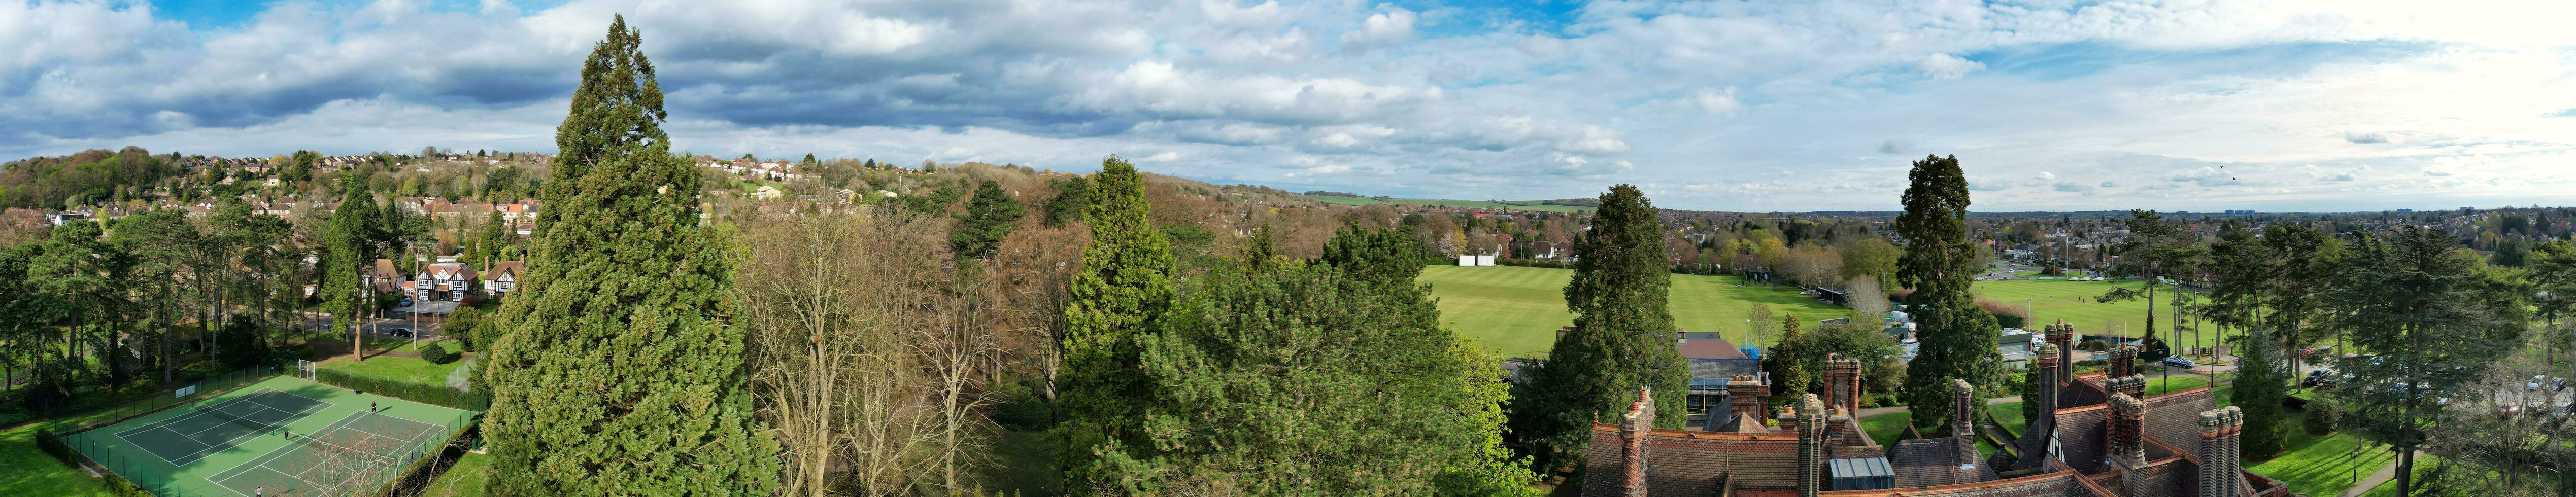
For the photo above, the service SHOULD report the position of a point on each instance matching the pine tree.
(349, 246)
(1623, 331)
(1122, 290)
(2422, 305)
(1788, 360)
(1385, 256)
(989, 217)
(1262, 254)
(1956, 339)
(620, 371)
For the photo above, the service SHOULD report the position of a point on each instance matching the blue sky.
(1722, 105)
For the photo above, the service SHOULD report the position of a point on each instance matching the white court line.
(263, 461)
(236, 440)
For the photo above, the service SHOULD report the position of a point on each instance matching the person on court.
(256, 492)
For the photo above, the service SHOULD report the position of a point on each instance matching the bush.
(1525, 263)
(2320, 419)
(436, 354)
(2005, 314)
(53, 445)
(465, 325)
(438, 394)
(1019, 407)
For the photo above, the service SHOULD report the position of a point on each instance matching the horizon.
(2273, 107)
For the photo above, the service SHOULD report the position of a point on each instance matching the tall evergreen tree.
(2155, 249)
(1385, 256)
(620, 371)
(2421, 303)
(1072, 198)
(1623, 331)
(1956, 339)
(1309, 380)
(991, 215)
(1262, 254)
(1121, 292)
(2247, 269)
(1787, 361)
(349, 248)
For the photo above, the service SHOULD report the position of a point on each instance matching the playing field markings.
(225, 432)
(304, 450)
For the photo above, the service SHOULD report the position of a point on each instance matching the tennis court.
(282, 436)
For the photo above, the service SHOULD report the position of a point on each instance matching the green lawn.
(2007, 415)
(409, 368)
(2424, 465)
(2072, 301)
(27, 471)
(2321, 465)
(1884, 428)
(1515, 310)
(465, 479)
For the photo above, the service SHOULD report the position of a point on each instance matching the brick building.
(2100, 438)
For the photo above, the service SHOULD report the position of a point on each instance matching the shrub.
(438, 394)
(1021, 408)
(2320, 419)
(436, 354)
(2005, 314)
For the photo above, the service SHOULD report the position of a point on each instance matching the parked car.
(400, 333)
(2535, 383)
(2558, 384)
(406, 302)
(2321, 377)
(2564, 409)
(2178, 361)
(2508, 410)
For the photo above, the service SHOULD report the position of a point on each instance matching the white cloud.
(1394, 24)
(1718, 101)
(1946, 66)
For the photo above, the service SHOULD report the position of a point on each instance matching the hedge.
(438, 394)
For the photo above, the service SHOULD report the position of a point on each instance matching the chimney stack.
(2044, 379)
(1744, 397)
(1842, 383)
(2124, 361)
(2133, 385)
(2219, 432)
(1635, 428)
(2062, 335)
(1963, 420)
(1811, 446)
(2126, 444)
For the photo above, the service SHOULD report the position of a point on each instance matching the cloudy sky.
(2328, 105)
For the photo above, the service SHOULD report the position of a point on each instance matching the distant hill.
(1559, 205)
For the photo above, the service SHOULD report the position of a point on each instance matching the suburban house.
(2101, 437)
(502, 277)
(381, 278)
(448, 281)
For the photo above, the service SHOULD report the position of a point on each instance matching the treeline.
(85, 178)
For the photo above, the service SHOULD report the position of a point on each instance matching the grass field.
(2072, 301)
(464, 479)
(1526, 205)
(1515, 310)
(408, 368)
(2322, 465)
(27, 471)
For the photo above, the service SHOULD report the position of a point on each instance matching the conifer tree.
(620, 371)
(989, 217)
(1262, 254)
(1956, 338)
(1623, 331)
(1384, 256)
(1122, 290)
(1788, 360)
(349, 246)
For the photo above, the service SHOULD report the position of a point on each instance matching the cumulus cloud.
(1946, 66)
(1718, 101)
(2357, 137)
(2070, 186)
(1393, 25)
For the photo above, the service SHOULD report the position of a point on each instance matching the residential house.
(503, 277)
(447, 281)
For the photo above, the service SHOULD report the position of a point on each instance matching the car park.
(400, 333)
(2535, 383)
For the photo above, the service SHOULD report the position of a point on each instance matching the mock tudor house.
(503, 277)
(448, 281)
(2101, 438)
(381, 278)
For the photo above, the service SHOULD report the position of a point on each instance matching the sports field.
(1514, 311)
(281, 436)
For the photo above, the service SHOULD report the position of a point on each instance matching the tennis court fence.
(373, 470)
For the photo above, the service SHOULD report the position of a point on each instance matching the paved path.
(2385, 474)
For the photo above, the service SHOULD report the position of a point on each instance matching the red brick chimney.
(2126, 443)
(1842, 383)
(1963, 420)
(1744, 395)
(2045, 372)
(2218, 429)
(2134, 385)
(1635, 428)
(2062, 335)
(2124, 361)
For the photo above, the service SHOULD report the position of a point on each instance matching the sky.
(2197, 105)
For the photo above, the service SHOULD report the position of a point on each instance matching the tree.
(161, 242)
(2155, 249)
(1761, 329)
(2423, 305)
(1386, 256)
(1309, 380)
(1871, 257)
(1787, 361)
(989, 217)
(1122, 291)
(1622, 338)
(1262, 255)
(1955, 338)
(349, 248)
(621, 371)
(2553, 270)
(1072, 197)
(2247, 269)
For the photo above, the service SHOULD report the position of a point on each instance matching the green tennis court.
(282, 436)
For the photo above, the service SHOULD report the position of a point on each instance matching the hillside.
(1525, 205)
